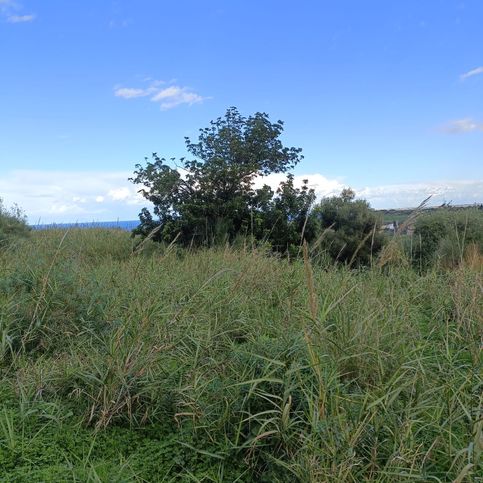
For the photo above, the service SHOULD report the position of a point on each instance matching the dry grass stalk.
(310, 282)
(392, 251)
(314, 360)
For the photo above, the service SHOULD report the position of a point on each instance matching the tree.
(352, 228)
(289, 219)
(212, 197)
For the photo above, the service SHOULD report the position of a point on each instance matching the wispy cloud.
(322, 185)
(11, 11)
(390, 195)
(175, 95)
(115, 24)
(131, 92)
(167, 97)
(63, 196)
(465, 125)
(20, 18)
(411, 194)
(471, 73)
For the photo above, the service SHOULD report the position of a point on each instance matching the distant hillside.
(400, 214)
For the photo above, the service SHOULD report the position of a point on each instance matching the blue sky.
(383, 96)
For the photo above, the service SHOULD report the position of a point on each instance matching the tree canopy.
(212, 197)
(351, 228)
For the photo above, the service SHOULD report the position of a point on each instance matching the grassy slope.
(401, 215)
(211, 366)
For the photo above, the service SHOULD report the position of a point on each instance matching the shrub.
(443, 236)
(352, 229)
(13, 224)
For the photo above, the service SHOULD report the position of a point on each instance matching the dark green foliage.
(442, 237)
(286, 219)
(212, 199)
(352, 229)
(50, 446)
(13, 224)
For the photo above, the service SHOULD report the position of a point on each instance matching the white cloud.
(84, 196)
(62, 196)
(20, 18)
(323, 186)
(167, 97)
(389, 196)
(411, 194)
(462, 126)
(120, 194)
(132, 93)
(471, 73)
(11, 11)
(174, 96)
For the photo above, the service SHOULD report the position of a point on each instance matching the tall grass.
(125, 363)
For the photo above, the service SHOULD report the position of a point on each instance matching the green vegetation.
(212, 199)
(124, 362)
(12, 224)
(443, 237)
(351, 229)
(401, 215)
(247, 335)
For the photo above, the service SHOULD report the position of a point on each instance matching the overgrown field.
(231, 365)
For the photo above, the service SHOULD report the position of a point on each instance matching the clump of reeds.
(231, 365)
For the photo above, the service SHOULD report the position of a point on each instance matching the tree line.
(211, 197)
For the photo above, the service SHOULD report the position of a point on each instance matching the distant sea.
(121, 225)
